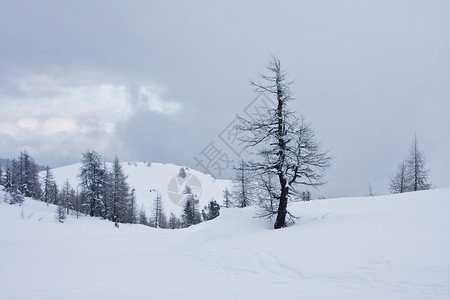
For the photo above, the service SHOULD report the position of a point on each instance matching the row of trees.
(21, 179)
(102, 192)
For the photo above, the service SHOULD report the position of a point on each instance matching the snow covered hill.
(147, 178)
(386, 247)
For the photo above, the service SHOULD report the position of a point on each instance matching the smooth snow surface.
(386, 247)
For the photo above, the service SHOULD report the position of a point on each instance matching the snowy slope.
(387, 247)
(146, 179)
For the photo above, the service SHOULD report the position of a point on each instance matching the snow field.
(386, 247)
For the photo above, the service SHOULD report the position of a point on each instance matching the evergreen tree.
(182, 173)
(398, 180)
(50, 191)
(174, 222)
(120, 193)
(211, 211)
(242, 185)
(66, 197)
(77, 202)
(159, 219)
(191, 214)
(28, 176)
(60, 213)
(7, 181)
(163, 221)
(143, 217)
(417, 174)
(411, 174)
(11, 188)
(306, 196)
(227, 198)
(92, 176)
(131, 209)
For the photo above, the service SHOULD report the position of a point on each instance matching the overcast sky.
(158, 81)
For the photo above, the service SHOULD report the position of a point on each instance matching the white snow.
(146, 179)
(386, 247)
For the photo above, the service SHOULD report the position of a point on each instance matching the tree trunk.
(282, 206)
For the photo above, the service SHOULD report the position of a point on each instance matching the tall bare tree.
(285, 147)
(417, 173)
(411, 175)
(398, 183)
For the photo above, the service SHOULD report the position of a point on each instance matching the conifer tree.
(191, 215)
(182, 173)
(143, 217)
(92, 176)
(243, 187)
(211, 211)
(227, 198)
(50, 189)
(159, 218)
(120, 193)
(284, 146)
(411, 174)
(174, 222)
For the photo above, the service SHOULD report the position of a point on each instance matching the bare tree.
(284, 145)
(417, 173)
(411, 174)
(242, 185)
(227, 198)
(398, 180)
(159, 218)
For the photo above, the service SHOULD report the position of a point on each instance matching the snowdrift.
(386, 247)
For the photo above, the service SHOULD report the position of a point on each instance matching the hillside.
(148, 178)
(386, 247)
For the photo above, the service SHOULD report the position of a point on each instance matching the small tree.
(306, 196)
(143, 217)
(191, 214)
(60, 213)
(398, 180)
(131, 209)
(370, 191)
(182, 173)
(411, 174)
(12, 193)
(211, 211)
(227, 198)
(159, 219)
(49, 194)
(66, 197)
(242, 185)
(174, 222)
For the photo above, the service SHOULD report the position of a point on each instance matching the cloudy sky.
(158, 81)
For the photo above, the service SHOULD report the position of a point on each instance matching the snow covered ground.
(148, 178)
(386, 247)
